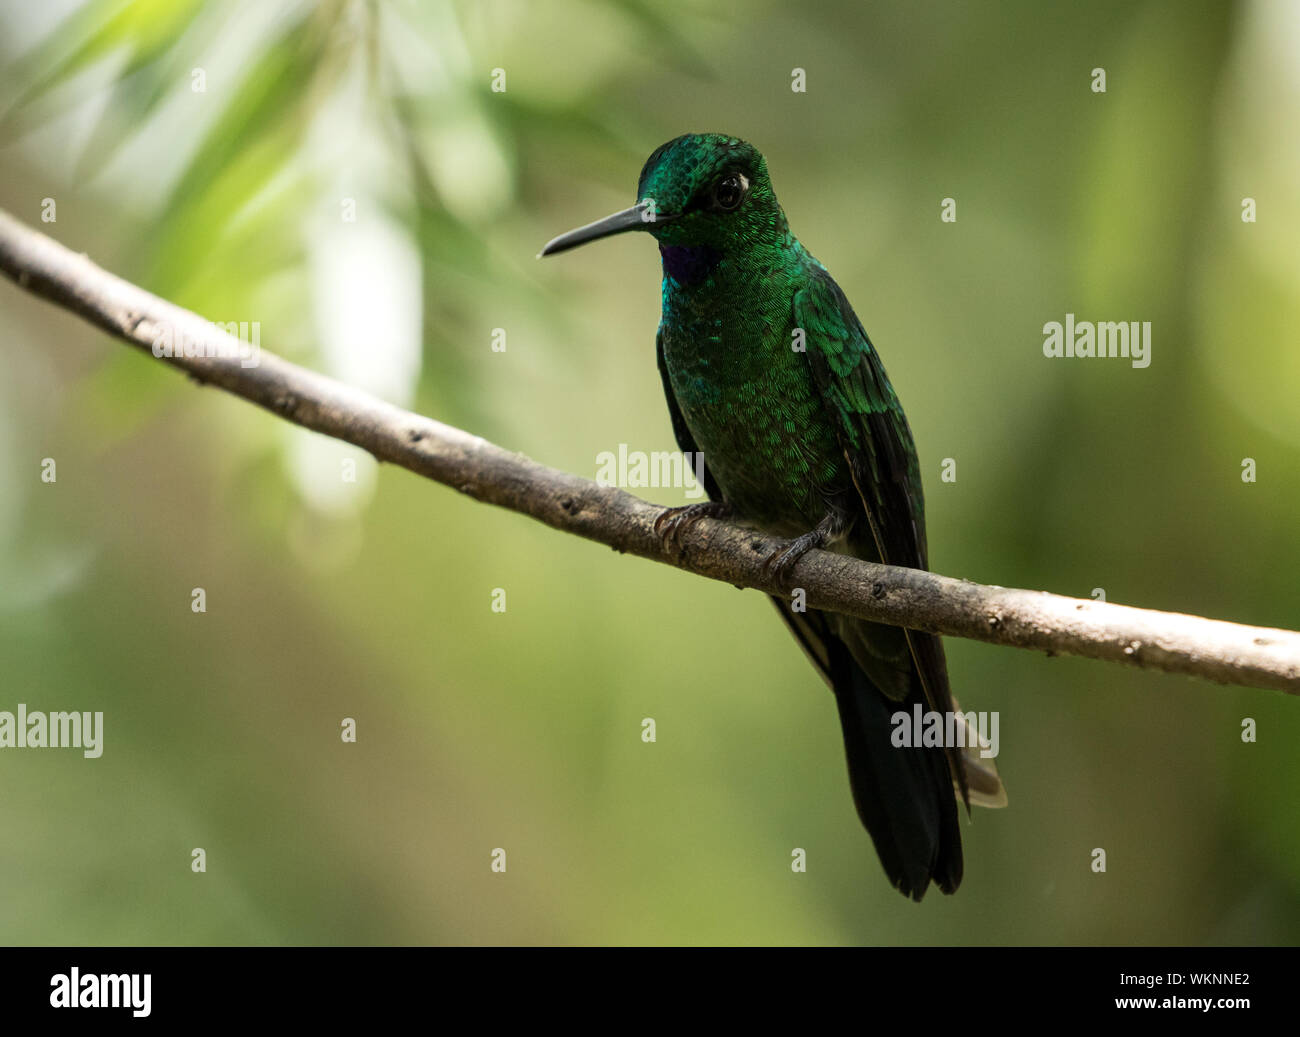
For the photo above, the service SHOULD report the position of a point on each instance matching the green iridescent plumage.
(769, 374)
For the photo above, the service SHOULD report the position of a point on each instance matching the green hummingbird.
(770, 375)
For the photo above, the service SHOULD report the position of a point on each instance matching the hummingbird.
(770, 376)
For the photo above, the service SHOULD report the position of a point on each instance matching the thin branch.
(1225, 652)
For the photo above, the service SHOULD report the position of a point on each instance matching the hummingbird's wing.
(868, 418)
(877, 442)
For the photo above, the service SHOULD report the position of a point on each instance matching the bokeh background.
(521, 730)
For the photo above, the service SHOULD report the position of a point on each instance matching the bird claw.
(781, 563)
(672, 522)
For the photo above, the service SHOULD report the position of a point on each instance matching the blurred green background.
(521, 730)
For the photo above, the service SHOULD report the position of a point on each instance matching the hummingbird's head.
(698, 190)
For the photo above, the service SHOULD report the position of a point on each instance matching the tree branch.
(1225, 652)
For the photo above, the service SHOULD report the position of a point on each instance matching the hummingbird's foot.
(781, 563)
(672, 522)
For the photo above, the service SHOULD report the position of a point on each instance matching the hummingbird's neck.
(692, 265)
(689, 264)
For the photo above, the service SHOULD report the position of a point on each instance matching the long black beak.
(639, 217)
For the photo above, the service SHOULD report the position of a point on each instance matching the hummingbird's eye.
(729, 192)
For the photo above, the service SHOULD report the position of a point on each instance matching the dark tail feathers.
(904, 796)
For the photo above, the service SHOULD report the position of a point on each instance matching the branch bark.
(1224, 652)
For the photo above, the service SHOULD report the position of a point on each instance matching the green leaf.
(148, 28)
(270, 97)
